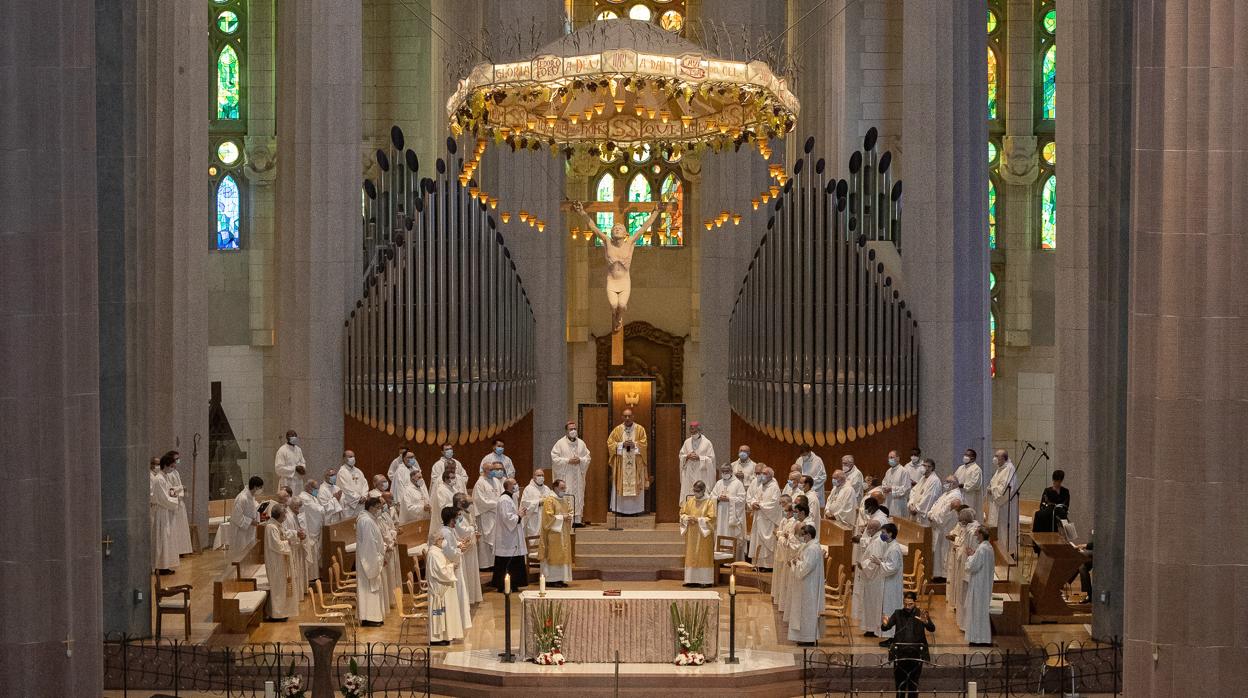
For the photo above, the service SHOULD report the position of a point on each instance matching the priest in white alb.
(413, 497)
(289, 463)
(400, 462)
(767, 514)
(970, 478)
(1002, 504)
(883, 575)
(924, 494)
(943, 516)
(485, 494)
(370, 561)
(977, 603)
(531, 500)
(442, 496)
(444, 612)
(812, 465)
(729, 496)
(841, 506)
(449, 462)
(569, 460)
(330, 498)
(244, 518)
(630, 470)
(277, 566)
(510, 551)
(805, 625)
(181, 523)
(897, 484)
(497, 457)
(697, 525)
(314, 521)
(697, 461)
(354, 485)
(164, 505)
(297, 536)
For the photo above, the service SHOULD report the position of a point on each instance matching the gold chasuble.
(699, 549)
(555, 545)
(629, 470)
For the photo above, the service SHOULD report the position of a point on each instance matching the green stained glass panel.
(227, 83)
(1049, 152)
(1048, 70)
(992, 21)
(992, 215)
(992, 84)
(228, 152)
(639, 189)
(992, 152)
(992, 344)
(1048, 214)
(227, 22)
(605, 221)
(635, 219)
(606, 188)
(1050, 21)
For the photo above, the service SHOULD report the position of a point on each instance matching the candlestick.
(732, 584)
(507, 583)
(507, 656)
(732, 628)
(541, 584)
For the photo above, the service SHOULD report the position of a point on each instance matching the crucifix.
(618, 248)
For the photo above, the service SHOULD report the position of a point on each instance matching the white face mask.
(292, 440)
(914, 460)
(351, 460)
(966, 459)
(847, 467)
(744, 456)
(541, 480)
(411, 462)
(448, 454)
(697, 436)
(384, 487)
(572, 434)
(948, 486)
(726, 476)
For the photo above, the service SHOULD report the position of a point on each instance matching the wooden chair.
(725, 554)
(331, 611)
(337, 588)
(175, 600)
(836, 602)
(343, 572)
(420, 604)
(534, 545)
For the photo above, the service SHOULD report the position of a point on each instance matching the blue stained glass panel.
(228, 214)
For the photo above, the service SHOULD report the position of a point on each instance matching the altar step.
(644, 521)
(642, 551)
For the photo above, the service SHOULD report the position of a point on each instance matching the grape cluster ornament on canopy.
(619, 85)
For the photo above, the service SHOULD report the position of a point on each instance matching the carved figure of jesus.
(618, 247)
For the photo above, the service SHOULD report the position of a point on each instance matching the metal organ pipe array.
(824, 350)
(440, 347)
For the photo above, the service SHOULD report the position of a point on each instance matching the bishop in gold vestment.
(555, 544)
(697, 524)
(630, 471)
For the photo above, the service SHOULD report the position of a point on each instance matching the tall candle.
(732, 584)
(541, 584)
(507, 583)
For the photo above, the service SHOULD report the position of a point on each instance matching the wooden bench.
(410, 541)
(337, 537)
(237, 605)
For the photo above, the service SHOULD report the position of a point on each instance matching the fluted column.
(945, 237)
(49, 343)
(1187, 393)
(318, 245)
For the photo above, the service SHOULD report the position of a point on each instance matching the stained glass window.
(992, 344)
(227, 152)
(992, 215)
(606, 188)
(1049, 73)
(668, 14)
(228, 214)
(227, 83)
(992, 21)
(1050, 21)
(992, 84)
(1049, 153)
(672, 21)
(607, 14)
(639, 12)
(639, 189)
(1048, 214)
(227, 22)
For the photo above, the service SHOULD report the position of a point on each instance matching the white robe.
(443, 497)
(766, 518)
(572, 475)
(840, 507)
(398, 470)
(813, 466)
(730, 515)
(898, 500)
(955, 566)
(331, 506)
(861, 550)
(314, 523)
(970, 479)
(181, 524)
(509, 468)
(883, 592)
(923, 496)
(780, 562)
(942, 521)
(467, 532)
(1003, 506)
(293, 524)
(531, 505)
(702, 468)
(354, 488)
(747, 466)
(284, 463)
(445, 616)
(450, 549)
(392, 574)
(485, 495)
(277, 566)
(854, 479)
(370, 559)
(508, 531)
(460, 483)
(977, 603)
(164, 506)
(413, 500)
(243, 519)
(916, 471)
(807, 594)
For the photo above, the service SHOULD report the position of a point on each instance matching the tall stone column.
(49, 362)
(1187, 392)
(729, 180)
(535, 180)
(318, 245)
(1094, 137)
(945, 237)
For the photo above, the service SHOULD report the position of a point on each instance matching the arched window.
(1046, 114)
(1049, 74)
(993, 313)
(1046, 52)
(996, 39)
(992, 84)
(994, 162)
(227, 30)
(641, 176)
(1048, 214)
(606, 194)
(229, 213)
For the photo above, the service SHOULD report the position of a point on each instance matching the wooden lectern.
(1059, 560)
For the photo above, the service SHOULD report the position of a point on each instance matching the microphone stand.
(1012, 520)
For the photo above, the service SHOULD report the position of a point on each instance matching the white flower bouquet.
(292, 685)
(353, 684)
(690, 625)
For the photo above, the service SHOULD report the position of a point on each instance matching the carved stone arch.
(648, 351)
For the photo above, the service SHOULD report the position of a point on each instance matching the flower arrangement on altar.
(353, 684)
(547, 620)
(292, 685)
(689, 622)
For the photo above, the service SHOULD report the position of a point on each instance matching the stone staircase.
(642, 551)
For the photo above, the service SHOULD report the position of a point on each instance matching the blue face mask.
(886, 538)
(316, 491)
(498, 450)
(332, 479)
(892, 462)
